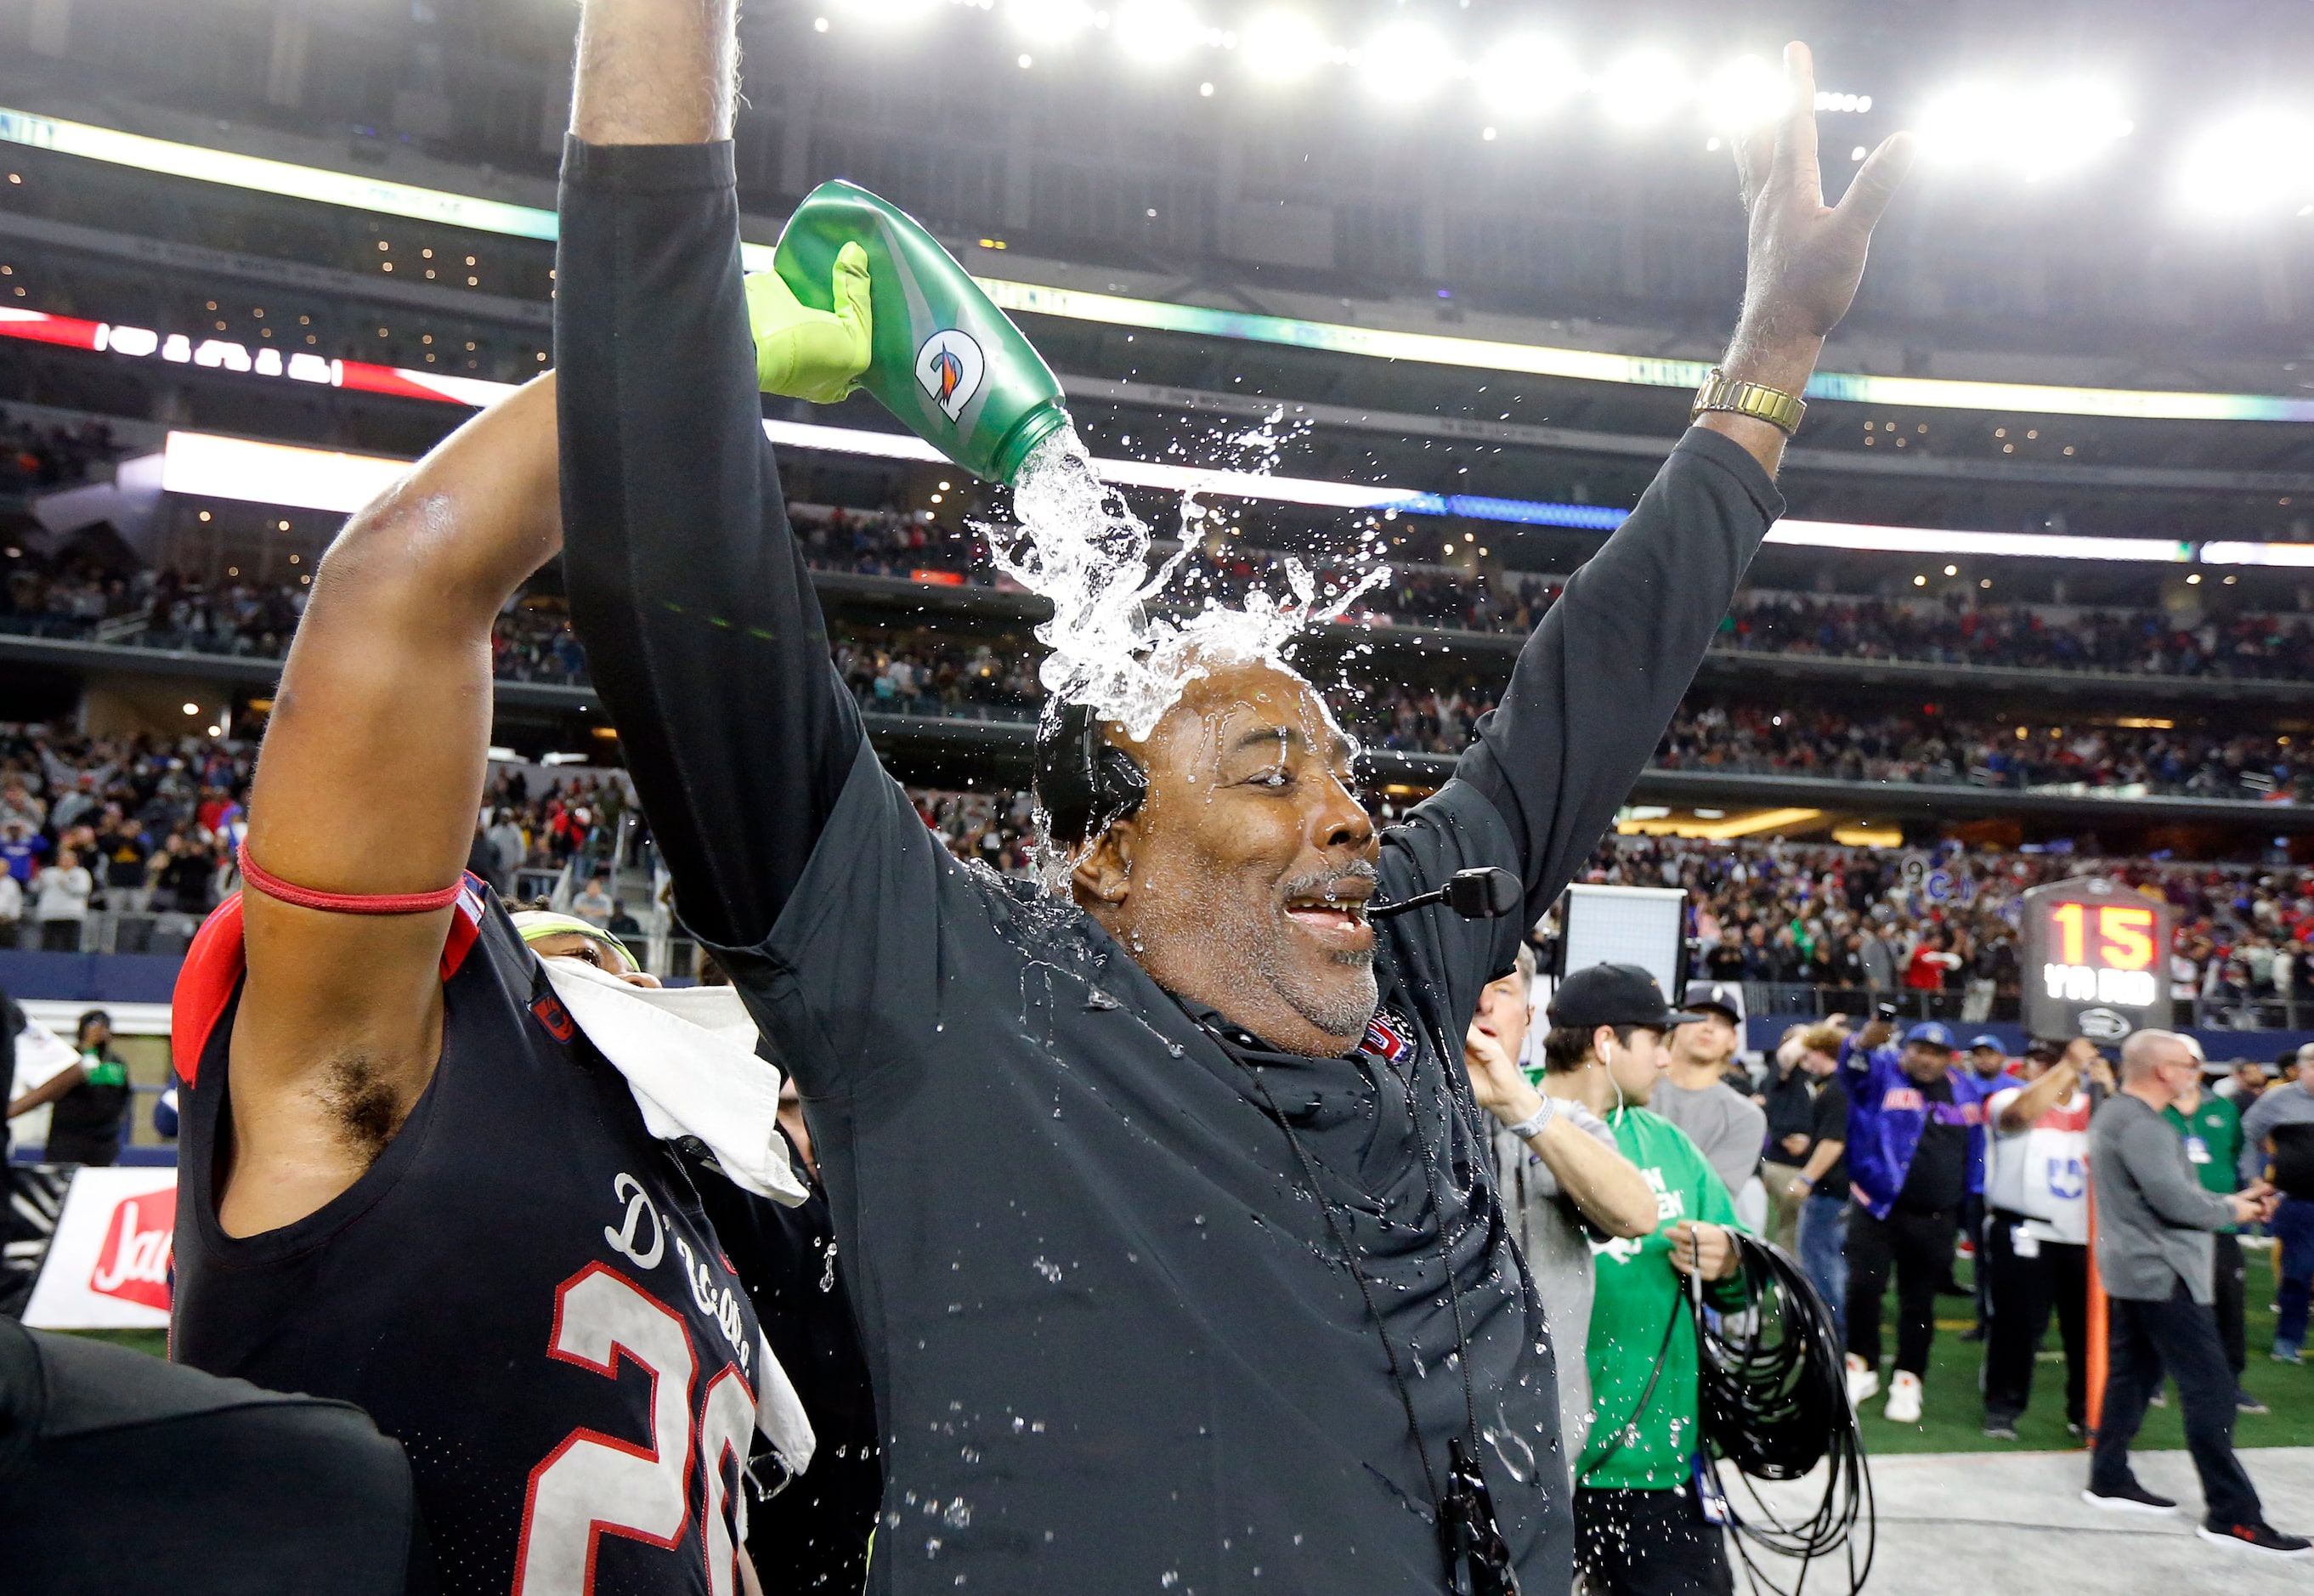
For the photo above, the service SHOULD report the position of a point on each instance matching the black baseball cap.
(1614, 994)
(1722, 997)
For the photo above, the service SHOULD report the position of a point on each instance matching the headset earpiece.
(1084, 783)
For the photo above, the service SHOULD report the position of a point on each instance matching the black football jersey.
(523, 1289)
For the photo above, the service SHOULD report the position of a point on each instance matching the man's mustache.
(1323, 882)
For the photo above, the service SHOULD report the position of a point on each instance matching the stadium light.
(2033, 133)
(208, 466)
(2257, 161)
(1405, 62)
(1281, 46)
(1744, 93)
(1641, 89)
(1049, 21)
(1158, 31)
(1528, 76)
(889, 13)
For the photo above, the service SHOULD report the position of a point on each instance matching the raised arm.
(1598, 682)
(368, 783)
(702, 632)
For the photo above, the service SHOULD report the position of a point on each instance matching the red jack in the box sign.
(134, 1261)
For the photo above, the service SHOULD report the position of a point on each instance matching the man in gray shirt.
(2153, 1250)
(1729, 1128)
(2285, 1103)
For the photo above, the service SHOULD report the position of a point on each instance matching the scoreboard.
(2096, 961)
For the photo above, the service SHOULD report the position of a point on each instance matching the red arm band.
(345, 903)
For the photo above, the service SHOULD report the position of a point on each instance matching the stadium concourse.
(1321, 284)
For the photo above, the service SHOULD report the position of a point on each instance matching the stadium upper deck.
(1511, 415)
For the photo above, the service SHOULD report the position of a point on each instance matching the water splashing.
(1078, 545)
(1119, 643)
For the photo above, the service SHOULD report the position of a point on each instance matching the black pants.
(2024, 1289)
(1973, 1211)
(1648, 1543)
(2180, 1335)
(1920, 1246)
(2234, 1330)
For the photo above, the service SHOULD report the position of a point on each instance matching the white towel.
(689, 1056)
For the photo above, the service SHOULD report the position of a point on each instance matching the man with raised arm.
(416, 1176)
(1168, 1211)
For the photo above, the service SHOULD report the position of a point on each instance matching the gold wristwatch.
(1777, 407)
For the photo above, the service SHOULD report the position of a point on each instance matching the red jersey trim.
(218, 955)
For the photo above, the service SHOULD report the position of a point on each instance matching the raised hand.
(1496, 1081)
(1805, 259)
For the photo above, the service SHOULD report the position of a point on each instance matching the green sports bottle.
(947, 362)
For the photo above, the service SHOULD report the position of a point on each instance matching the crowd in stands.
(2121, 642)
(1710, 734)
(34, 455)
(144, 832)
(143, 827)
(147, 827)
(246, 617)
(923, 677)
(1942, 923)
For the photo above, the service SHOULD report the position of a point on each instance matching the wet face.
(590, 951)
(1241, 883)
(1925, 1062)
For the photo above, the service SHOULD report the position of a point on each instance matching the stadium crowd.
(144, 830)
(1942, 922)
(241, 616)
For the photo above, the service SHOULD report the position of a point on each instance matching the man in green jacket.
(2211, 1128)
(1642, 1525)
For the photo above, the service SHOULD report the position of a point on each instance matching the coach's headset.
(1084, 783)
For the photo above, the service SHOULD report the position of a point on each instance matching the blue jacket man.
(1915, 1151)
(1887, 1108)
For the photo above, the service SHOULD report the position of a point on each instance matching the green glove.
(802, 353)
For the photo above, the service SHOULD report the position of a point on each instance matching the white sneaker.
(1863, 1382)
(1904, 1400)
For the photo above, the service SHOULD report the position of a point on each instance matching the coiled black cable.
(1774, 1402)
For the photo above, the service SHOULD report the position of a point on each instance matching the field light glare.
(1281, 46)
(1158, 31)
(1406, 62)
(2258, 161)
(1642, 89)
(888, 13)
(2034, 133)
(1528, 76)
(1048, 21)
(1744, 93)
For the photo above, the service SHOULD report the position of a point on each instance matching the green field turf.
(1952, 1416)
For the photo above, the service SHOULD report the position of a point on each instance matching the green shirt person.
(1640, 1524)
(2213, 1140)
(1636, 1304)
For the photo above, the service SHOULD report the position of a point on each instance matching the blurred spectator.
(594, 905)
(90, 1098)
(63, 889)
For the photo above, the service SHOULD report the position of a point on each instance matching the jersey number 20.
(594, 1485)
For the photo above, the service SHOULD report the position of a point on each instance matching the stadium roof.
(388, 197)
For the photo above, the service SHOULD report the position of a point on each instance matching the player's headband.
(536, 924)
